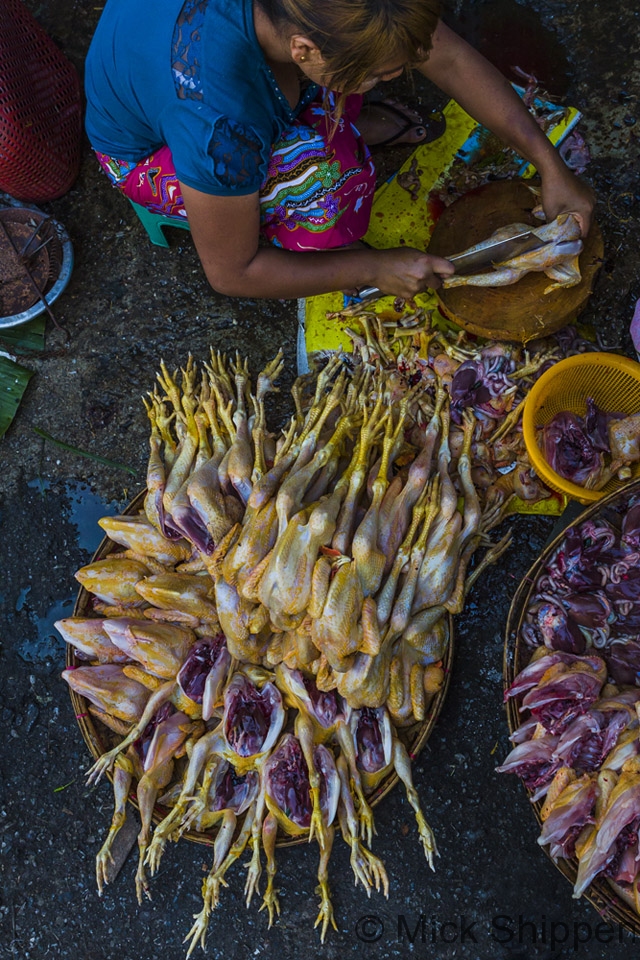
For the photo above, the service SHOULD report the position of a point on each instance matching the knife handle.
(367, 293)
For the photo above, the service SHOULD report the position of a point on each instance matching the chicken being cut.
(558, 258)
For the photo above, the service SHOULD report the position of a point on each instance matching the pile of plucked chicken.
(579, 741)
(280, 609)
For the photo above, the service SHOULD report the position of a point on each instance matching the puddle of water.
(47, 644)
(84, 509)
(22, 598)
(511, 35)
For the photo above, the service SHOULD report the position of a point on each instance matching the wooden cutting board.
(520, 311)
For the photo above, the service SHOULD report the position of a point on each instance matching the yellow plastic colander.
(614, 384)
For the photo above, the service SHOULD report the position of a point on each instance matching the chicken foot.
(367, 868)
(149, 786)
(325, 916)
(211, 886)
(373, 421)
(211, 743)
(270, 900)
(265, 384)
(370, 560)
(122, 779)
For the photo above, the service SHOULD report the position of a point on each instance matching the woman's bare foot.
(385, 123)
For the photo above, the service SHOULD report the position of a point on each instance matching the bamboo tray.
(99, 738)
(611, 901)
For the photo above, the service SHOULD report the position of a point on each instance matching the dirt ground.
(128, 305)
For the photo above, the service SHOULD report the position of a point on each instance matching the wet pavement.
(494, 893)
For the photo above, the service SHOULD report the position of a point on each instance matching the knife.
(481, 256)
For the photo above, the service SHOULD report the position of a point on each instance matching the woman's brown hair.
(355, 37)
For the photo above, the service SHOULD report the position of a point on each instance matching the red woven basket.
(40, 110)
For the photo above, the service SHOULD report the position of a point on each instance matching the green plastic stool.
(154, 222)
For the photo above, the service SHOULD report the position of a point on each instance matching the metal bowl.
(59, 259)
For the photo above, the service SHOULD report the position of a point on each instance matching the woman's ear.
(304, 50)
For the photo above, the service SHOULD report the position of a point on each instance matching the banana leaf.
(13, 383)
(24, 339)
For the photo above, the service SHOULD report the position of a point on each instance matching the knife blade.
(477, 257)
(483, 255)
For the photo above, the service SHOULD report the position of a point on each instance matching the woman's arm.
(464, 74)
(225, 231)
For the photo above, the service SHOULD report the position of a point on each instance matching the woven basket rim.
(414, 737)
(610, 900)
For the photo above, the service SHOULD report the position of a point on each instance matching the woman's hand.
(462, 73)
(405, 272)
(225, 231)
(563, 192)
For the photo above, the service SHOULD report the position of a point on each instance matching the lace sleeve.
(236, 151)
(186, 52)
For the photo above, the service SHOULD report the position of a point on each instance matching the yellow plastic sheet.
(398, 220)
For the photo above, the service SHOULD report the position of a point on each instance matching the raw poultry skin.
(189, 700)
(378, 751)
(225, 795)
(287, 796)
(323, 716)
(558, 259)
(269, 567)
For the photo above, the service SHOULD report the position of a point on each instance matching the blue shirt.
(189, 74)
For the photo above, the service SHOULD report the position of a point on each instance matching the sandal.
(433, 126)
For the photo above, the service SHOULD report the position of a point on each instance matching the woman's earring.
(302, 59)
